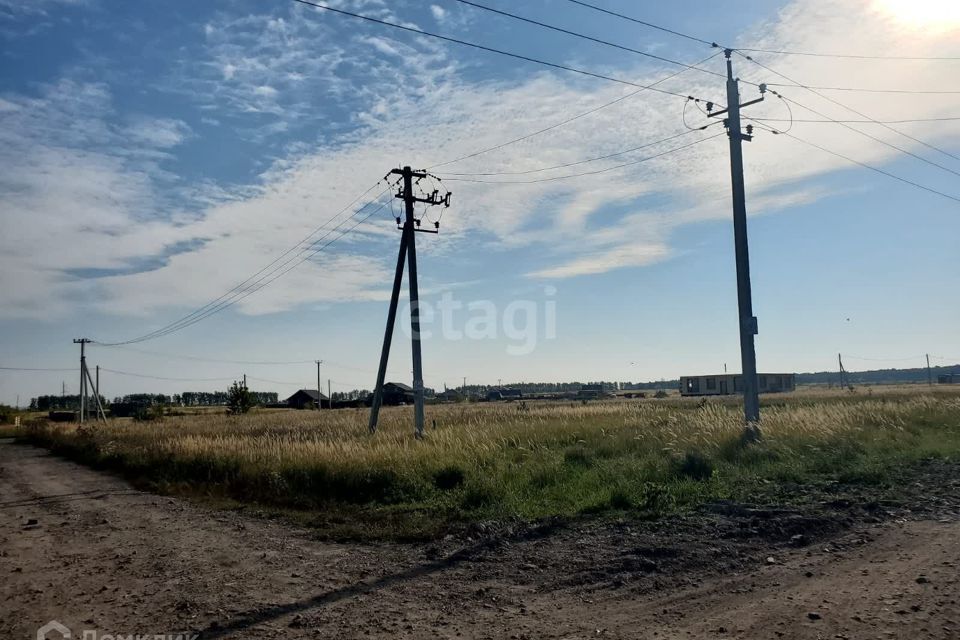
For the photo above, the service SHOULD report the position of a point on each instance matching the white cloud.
(439, 13)
(77, 187)
(158, 132)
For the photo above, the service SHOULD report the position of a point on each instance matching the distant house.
(592, 391)
(306, 399)
(450, 395)
(948, 378)
(729, 384)
(504, 394)
(396, 393)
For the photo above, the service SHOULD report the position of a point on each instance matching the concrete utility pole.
(86, 382)
(83, 375)
(319, 392)
(748, 322)
(408, 250)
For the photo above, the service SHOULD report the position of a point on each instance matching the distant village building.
(503, 393)
(306, 399)
(397, 393)
(449, 395)
(730, 384)
(948, 378)
(593, 391)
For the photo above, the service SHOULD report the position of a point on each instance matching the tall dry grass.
(526, 460)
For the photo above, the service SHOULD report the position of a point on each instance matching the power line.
(862, 115)
(644, 23)
(589, 173)
(865, 90)
(822, 120)
(857, 162)
(578, 162)
(264, 283)
(757, 50)
(490, 49)
(586, 37)
(143, 375)
(173, 356)
(214, 303)
(844, 55)
(253, 285)
(571, 119)
(202, 359)
(868, 135)
(34, 369)
(918, 357)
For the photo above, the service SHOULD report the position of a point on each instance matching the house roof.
(312, 393)
(400, 386)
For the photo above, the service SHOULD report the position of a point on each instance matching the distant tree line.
(185, 399)
(60, 403)
(877, 376)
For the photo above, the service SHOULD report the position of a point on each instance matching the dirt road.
(85, 549)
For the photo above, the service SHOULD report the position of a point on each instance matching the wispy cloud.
(85, 182)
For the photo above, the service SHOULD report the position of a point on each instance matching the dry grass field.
(527, 461)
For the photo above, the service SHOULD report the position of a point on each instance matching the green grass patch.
(645, 458)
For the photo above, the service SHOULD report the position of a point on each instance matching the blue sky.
(154, 155)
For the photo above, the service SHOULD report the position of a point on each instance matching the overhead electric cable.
(292, 264)
(857, 162)
(589, 173)
(856, 56)
(143, 375)
(202, 359)
(757, 50)
(586, 37)
(865, 90)
(573, 118)
(644, 23)
(35, 369)
(251, 285)
(836, 121)
(488, 49)
(862, 115)
(173, 356)
(578, 162)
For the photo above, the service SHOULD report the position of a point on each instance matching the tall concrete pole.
(408, 200)
(748, 323)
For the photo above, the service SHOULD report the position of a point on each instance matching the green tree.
(239, 399)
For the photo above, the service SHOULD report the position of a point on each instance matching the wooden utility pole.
(840, 362)
(748, 322)
(408, 251)
(329, 395)
(929, 372)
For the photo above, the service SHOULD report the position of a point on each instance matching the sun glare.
(935, 15)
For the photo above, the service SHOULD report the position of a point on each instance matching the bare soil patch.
(86, 549)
